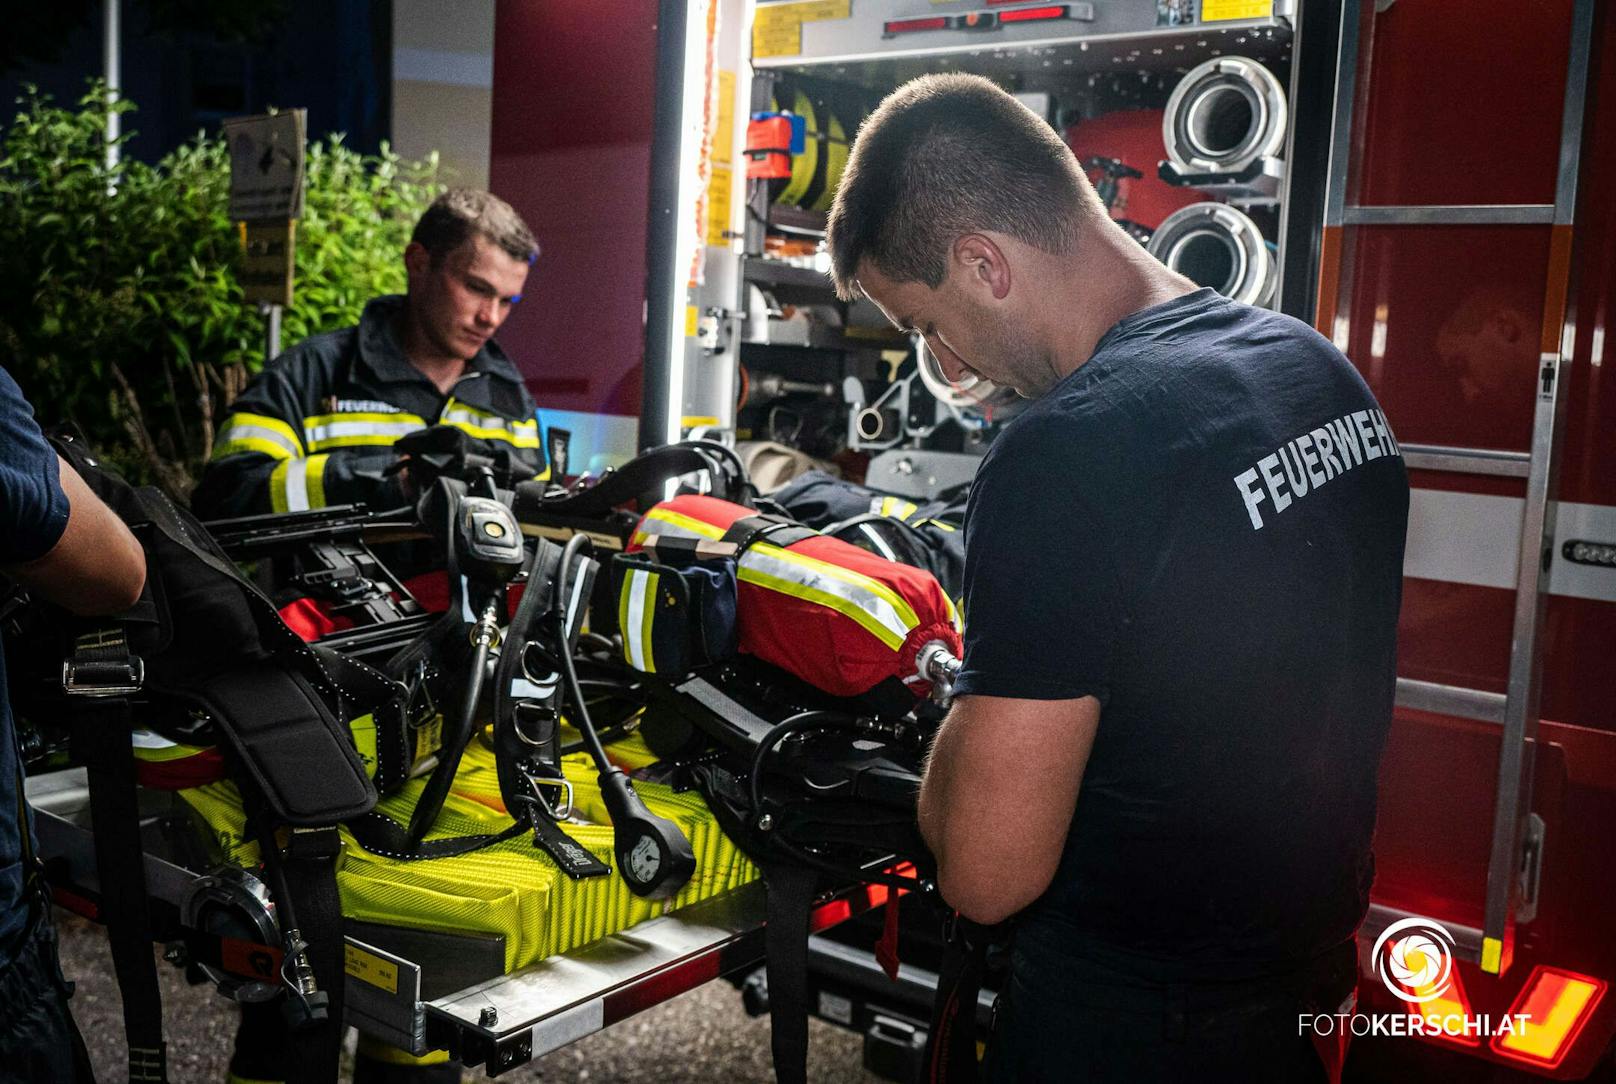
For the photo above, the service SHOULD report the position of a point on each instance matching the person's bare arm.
(96, 567)
(995, 754)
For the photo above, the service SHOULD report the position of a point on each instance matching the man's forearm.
(937, 784)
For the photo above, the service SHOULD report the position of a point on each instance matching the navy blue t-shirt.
(33, 515)
(1202, 527)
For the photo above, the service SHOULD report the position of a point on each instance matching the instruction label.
(1217, 11)
(777, 28)
(370, 968)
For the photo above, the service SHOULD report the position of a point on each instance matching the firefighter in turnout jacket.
(318, 425)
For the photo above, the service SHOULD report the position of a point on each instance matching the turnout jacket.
(317, 426)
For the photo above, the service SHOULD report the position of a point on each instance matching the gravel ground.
(700, 1036)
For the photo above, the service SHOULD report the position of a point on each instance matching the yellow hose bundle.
(510, 889)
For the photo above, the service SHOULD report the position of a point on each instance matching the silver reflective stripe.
(338, 433)
(633, 634)
(297, 486)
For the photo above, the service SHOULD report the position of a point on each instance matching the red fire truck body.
(1446, 217)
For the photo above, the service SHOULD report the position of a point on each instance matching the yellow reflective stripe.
(939, 524)
(855, 580)
(510, 433)
(296, 485)
(846, 606)
(243, 432)
(356, 429)
(684, 526)
(314, 480)
(277, 486)
(634, 612)
(896, 507)
(953, 614)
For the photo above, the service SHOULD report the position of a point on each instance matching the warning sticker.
(777, 28)
(718, 206)
(370, 968)
(1217, 11)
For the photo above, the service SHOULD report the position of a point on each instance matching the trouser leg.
(39, 1040)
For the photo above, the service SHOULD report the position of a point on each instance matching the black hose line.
(803, 720)
(569, 673)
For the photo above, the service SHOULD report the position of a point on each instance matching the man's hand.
(993, 756)
(96, 567)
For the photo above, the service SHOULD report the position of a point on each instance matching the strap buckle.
(101, 665)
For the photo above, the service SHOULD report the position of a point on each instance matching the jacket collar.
(381, 352)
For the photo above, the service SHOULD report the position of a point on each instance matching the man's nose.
(952, 367)
(488, 311)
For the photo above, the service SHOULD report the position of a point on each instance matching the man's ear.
(983, 263)
(417, 260)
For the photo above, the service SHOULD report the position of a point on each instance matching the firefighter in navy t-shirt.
(61, 544)
(1183, 571)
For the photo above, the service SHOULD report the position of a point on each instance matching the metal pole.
(112, 71)
(272, 330)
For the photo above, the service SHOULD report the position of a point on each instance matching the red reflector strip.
(1032, 15)
(906, 26)
(1559, 1003)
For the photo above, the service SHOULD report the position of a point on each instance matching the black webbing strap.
(638, 477)
(789, 894)
(304, 876)
(380, 834)
(97, 680)
(951, 1041)
(748, 531)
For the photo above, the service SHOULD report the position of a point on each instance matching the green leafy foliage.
(120, 308)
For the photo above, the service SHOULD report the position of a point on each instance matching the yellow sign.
(1217, 11)
(268, 253)
(724, 126)
(692, 321)
(698, 421)
(718, 208)
(370, 968)
(777, 28)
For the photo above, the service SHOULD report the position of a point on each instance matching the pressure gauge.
(653, 856)
(644, 861)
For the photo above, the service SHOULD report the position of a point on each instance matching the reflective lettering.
(1297, 478)
(1346, 442)
(1269, 465)
(1383, 430)
(1326, 446)
(1366, 431)
(1251, 493)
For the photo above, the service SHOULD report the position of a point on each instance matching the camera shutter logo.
(1414, 958)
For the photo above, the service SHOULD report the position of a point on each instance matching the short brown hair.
(461, 212)
(942, 156)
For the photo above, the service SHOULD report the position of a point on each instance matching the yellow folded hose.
(511, 889)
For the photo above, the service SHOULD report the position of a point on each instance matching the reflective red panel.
(1444, 322)
(1459, 110)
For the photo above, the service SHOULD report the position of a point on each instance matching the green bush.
(120, 309)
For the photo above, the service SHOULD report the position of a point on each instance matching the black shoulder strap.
(99, 721)
(789, 892)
